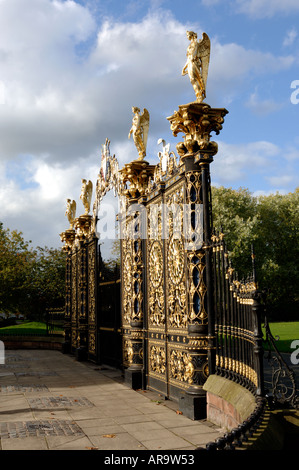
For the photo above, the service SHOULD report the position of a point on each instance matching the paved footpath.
(50, 401)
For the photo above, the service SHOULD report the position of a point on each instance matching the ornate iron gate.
(91, 330)
(166, 263)
(81, 295)
(169, 362)
(167, 287)
(166, 291)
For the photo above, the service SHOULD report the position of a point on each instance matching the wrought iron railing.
(282, 390)
(237, 306)
(238, 339)
(55, 319)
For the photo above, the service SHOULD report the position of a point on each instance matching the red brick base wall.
(221, 412)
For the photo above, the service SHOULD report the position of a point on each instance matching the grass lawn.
(287, 332)
(27, 328)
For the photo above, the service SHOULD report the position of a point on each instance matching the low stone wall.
(228, 404)
(32, 342)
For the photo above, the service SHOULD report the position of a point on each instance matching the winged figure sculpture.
(86, 194)
(71, 211)
(139, 130)
(197, 64)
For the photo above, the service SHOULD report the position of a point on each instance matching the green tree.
(15, 263)
(30, 279)
(47, 288)
(277, 249)
(235, 213)
(271, 223)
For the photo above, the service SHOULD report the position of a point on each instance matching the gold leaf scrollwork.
(91, 284)
(181, 366)
(158, 359)
(128, 352)
(156, 308)
(177, 311)
(92, 342)
(175, 260)
(155, 264)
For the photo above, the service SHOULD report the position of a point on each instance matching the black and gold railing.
(238, 339)
(237, 309)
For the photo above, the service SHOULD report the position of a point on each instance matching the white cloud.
(281, 180)
(290, 37)
(232, 68)
(266, 8)
(210, 2)
(60, 106)
(235, 161)
(262, 107)
(291, 154)
(263, 163)
(39, 210)
(262, 192)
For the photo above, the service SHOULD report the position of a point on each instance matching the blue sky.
(70, 71)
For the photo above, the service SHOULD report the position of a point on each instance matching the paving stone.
(25, 443)
(58, 402)
(16, 366)
(36, 374)
(23, 388)
(69, 443)
(121, 441)
(76, 407)
(14, 358)
(24, 429)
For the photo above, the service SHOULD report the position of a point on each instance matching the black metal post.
(209, 269)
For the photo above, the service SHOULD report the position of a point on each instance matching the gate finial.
(86, 193)
(197, 65)
(71, 212)
(139, 129)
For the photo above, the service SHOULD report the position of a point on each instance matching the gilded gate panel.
(74, 332)
(92, 297)
(176, 299)
(132, 291)
(175, 262)
(155, 312)
(169, 366)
